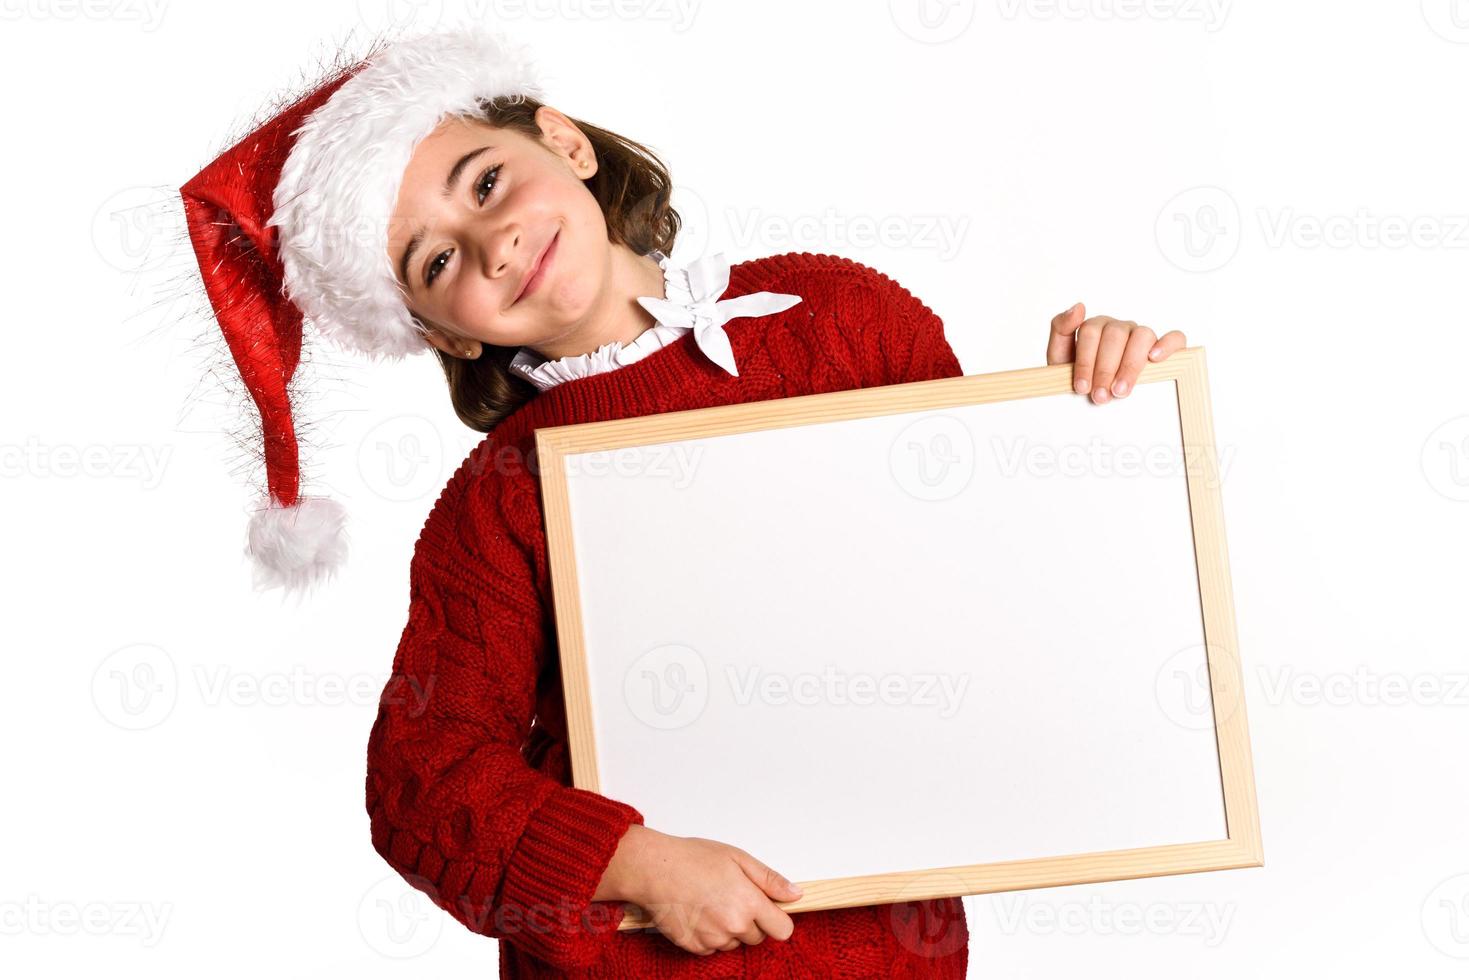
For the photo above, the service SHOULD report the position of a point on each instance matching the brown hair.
(633, 188)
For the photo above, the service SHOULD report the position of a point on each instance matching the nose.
(499, 248)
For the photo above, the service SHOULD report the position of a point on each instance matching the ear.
(443, 343)
(563, 137)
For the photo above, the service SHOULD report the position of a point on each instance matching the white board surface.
(971, 634)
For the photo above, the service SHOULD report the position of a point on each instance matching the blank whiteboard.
(938, 638)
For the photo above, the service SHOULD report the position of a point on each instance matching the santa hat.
(292, 222)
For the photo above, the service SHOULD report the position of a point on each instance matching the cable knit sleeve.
(455, 807)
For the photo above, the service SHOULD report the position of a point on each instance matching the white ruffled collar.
(691, 301)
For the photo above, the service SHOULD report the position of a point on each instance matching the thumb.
(1061, 347)
(770, 881)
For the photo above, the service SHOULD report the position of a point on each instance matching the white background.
(180, 748)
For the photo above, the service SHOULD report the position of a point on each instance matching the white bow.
(693, 303)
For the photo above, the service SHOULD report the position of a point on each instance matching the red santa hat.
(292, 222)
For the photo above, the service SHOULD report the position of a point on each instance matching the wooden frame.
(1241, 847)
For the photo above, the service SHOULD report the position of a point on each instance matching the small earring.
(468, 351)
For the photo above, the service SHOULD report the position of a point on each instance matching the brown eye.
(435, 266)
(489, 175)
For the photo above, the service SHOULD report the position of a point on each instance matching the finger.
(732, 944)
(1109, 356)
(776, 923)
(1134, 356)
(1171, 341)
(751, 936)
(1062, 344)
(768, 879)
(1088, 335)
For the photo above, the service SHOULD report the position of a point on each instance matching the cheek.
(474, 308)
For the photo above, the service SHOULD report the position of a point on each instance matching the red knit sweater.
(468, 777)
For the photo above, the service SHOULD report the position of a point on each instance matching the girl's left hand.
(1109, 354)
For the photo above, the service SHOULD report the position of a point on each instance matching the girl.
(428, 198)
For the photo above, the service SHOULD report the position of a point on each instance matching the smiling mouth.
(536, 272)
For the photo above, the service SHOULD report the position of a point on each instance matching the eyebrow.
(448, 192)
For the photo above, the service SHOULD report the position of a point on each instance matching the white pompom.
(298, 546)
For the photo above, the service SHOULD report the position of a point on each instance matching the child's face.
(480, 244)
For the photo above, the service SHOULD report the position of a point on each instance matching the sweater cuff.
(550, 879)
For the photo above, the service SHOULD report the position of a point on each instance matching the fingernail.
(1102, 395)
(1120, 388)
(1082, 384)
(1153, 354)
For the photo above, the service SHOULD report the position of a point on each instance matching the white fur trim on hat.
(338, 187)
(298, 546)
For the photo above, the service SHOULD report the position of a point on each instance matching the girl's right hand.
(703, 895)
